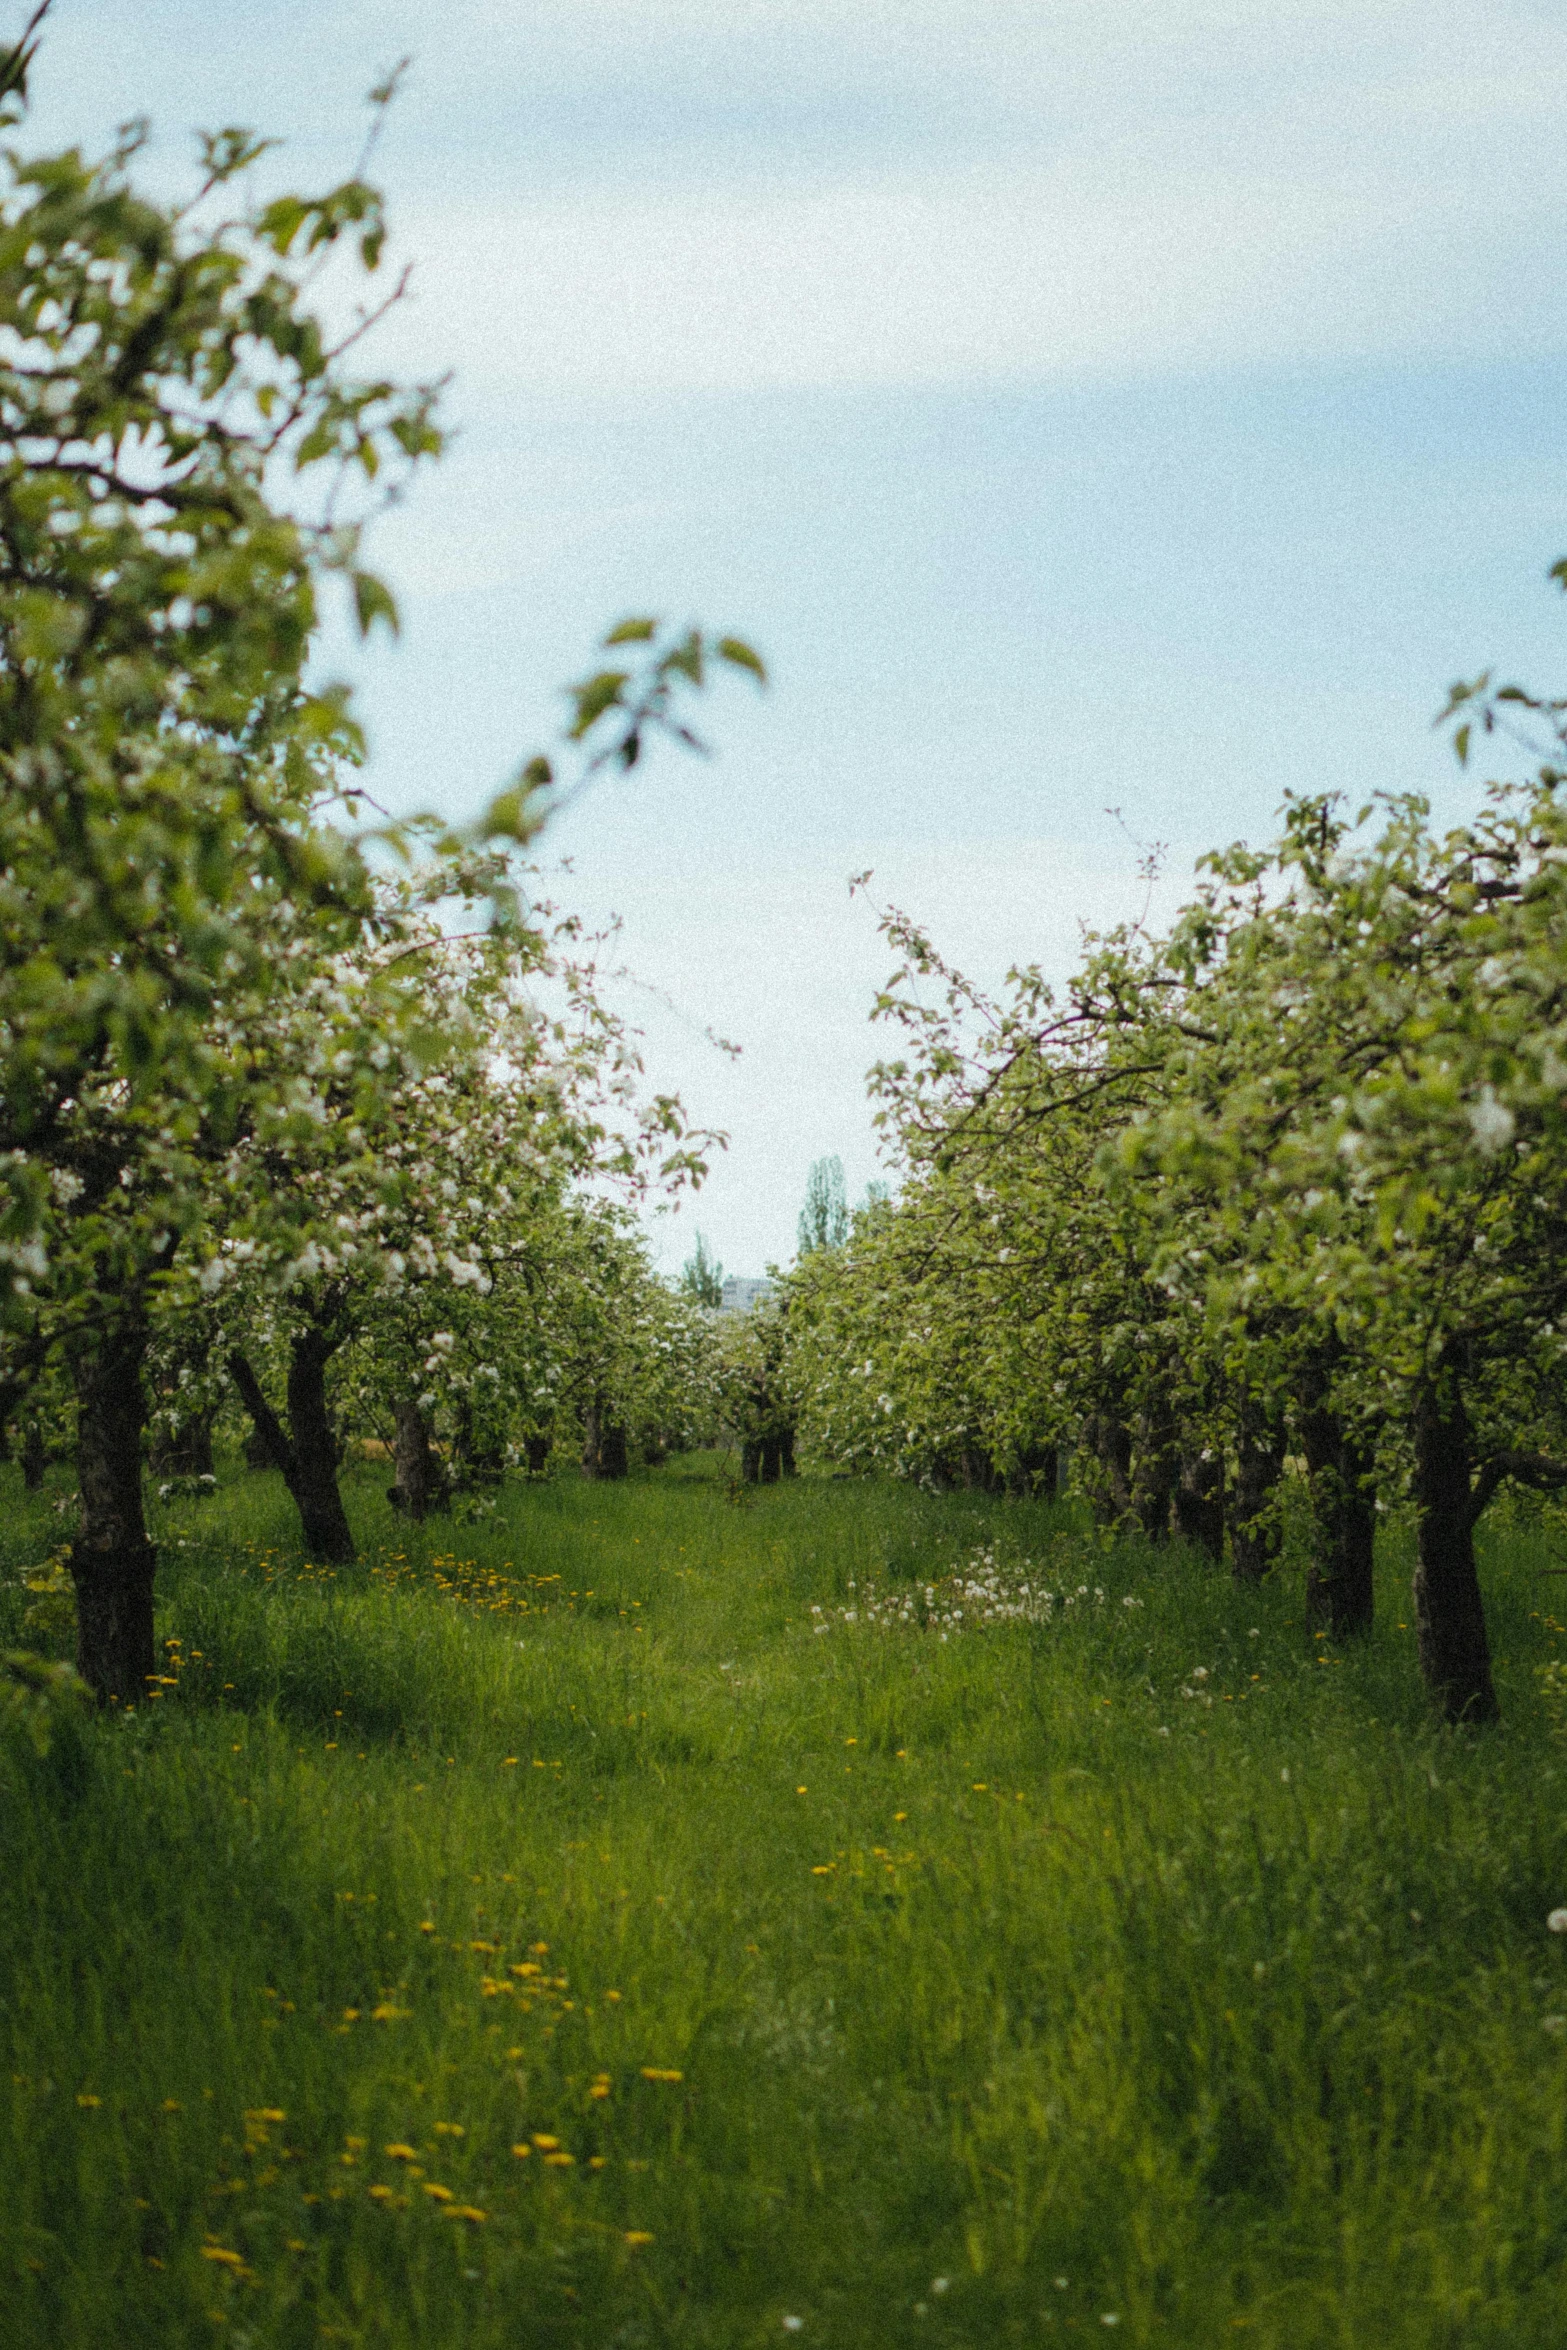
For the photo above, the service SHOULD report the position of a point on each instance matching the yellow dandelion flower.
(381, 2194)
(636, 2236)
(88, 2099)
(401, 2153)
(522, 2152)
(658, 2072)
(544, 2141)
(441, 2194)
(560, 2161)
(450, 2130)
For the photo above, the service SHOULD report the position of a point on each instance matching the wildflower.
(1556, 1923)
(560, 2160)
(401, 2153)
(88, 2099)
(636, 2236)
(220, 2252)
(522, 2152)
(654, 2072)
(441, 2194)
(450, 2130)
(381, 2194)
(464, 2211)
(543, 2141)
(792, 2325)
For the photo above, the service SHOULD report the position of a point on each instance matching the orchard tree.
(180, 443)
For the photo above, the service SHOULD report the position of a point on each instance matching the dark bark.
(786, 1460)
(1199, 1503)
(420, 1479)
(1157, 1475)
(304, 1453)
(1110, 1441)
(538, 1450)
(35, 1458)
(112, 1562)
(1455, 1655)
(474, 1462)
(1340, 1588)
(772, 1461)
(977, 1472)
(751, 1463)
(604, 1449)
(1255, 1537)
(1036, 1474)
(187, 1451)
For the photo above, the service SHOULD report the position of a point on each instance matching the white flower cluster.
(985, 1591)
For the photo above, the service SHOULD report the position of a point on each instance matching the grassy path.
(546, 1934)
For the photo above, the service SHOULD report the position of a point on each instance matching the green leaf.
(593, 698)
(632, 632)
(373, 601)
(740, 655)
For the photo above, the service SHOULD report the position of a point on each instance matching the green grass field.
(542, 1934)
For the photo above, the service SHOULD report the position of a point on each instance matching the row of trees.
(1273, 1204)
(287, 1091)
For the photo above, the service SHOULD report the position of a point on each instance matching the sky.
(1105, 417)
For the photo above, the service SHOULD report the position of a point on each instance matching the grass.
(881, 1989)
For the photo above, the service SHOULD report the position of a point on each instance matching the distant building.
(740, 1296)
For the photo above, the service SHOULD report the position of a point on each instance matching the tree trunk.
(35, 1460)
(1110, 1441)
(1199, 1503)
(1340, 1588)
(604, 1451)
(188, 1451)
(1037, 1475)
(537, 1449)
(305, 1453)
(751, 1462)
(1259, 1466)
(420, 1480)
(1158, 1473)
(786, 1461)
(772, 1460)
(112, 1562)
(1455, 1656)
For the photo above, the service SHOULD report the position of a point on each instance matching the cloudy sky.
(1145, 405)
